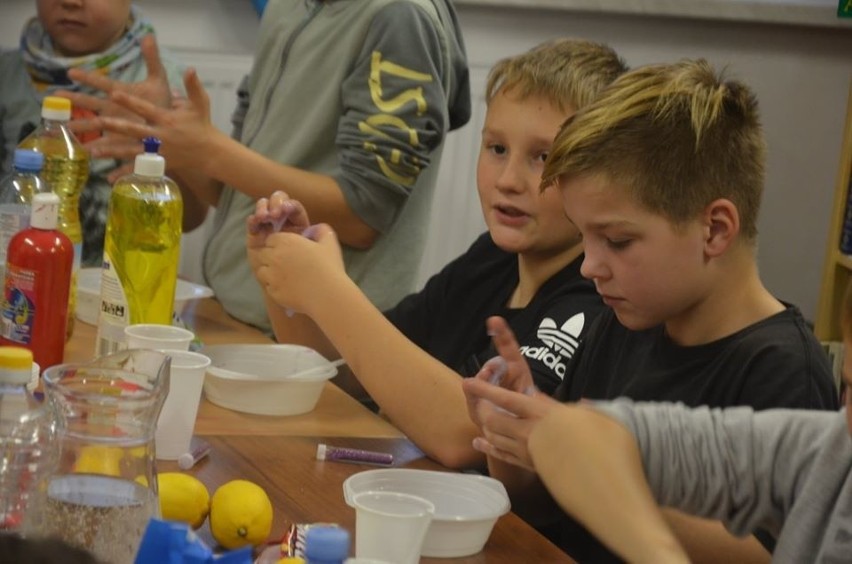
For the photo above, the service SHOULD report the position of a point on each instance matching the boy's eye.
(497, 149)
(618, 244)
(542, 157)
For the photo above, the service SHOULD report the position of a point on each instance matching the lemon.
(97, 459)
(183, 498)
(240, 514)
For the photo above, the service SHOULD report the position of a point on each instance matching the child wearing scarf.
(101, 35)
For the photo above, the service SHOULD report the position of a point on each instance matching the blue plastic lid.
(151, 144)
(326, 544)
(29, 160)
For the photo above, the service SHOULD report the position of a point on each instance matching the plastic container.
(16, 195)
(141, 250)
(27, 450)
(466, 506)
(89, 294)
(266, 379)
(66, 170)
(40, 261)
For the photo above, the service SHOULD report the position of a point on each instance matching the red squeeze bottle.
(37, 285)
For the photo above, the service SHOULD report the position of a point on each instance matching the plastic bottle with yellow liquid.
(141, 250)
(66, 170)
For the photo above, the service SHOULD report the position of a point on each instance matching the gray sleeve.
(740, 467)
(395, 112)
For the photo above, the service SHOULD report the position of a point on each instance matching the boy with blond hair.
(526, 267)
(663, 175)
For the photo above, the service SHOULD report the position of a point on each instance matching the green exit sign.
(844, 9)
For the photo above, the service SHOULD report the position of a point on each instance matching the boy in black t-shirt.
(526, 267)
(663, 176)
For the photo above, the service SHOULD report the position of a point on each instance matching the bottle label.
(18, 304)
(13, 218)
(114, 314)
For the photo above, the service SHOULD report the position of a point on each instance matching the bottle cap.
(45, 210)
(54, 107)
(28, 160)
(16, 365)
(150, 163)
(327, 543)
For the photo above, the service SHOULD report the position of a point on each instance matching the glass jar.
(104, 489)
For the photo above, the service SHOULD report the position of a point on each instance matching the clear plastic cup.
(157, 337)
(391, 526)
(177, 418)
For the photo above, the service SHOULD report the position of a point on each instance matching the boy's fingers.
(195, 91)
(321, 233)
(80, 100)
(143, 108)
(85, 125)
(503, 338)
(513, 402)
(93, 79)
(151, 55)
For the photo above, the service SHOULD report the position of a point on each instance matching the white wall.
(800, 74)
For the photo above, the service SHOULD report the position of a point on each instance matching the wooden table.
(336, 412)
(279, 453)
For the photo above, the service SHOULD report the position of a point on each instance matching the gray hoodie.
(783, 471)
(364, 91)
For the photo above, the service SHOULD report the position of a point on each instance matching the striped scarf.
(49, 71)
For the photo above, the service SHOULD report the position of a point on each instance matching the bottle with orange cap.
(66, 170)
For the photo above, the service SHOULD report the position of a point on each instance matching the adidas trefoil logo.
(565, 339)
(560, 343)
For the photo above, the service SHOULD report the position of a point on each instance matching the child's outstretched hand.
(154, 88)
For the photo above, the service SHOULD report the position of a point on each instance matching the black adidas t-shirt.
(447, 318)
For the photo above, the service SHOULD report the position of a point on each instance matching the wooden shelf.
(838, 266)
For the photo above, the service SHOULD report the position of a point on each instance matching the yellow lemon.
(240, 514)
(97, 459)
(183, 498)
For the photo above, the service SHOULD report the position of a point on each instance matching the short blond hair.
(569, 73)
(678, 136)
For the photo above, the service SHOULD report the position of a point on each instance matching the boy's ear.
(721, 226)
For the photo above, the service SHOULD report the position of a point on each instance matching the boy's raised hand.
(506, 418)
(502, 399)
(154, 88)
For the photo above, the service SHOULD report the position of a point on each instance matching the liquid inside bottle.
(141, 252)
(66, 170)
(27, 449)
(16, 193)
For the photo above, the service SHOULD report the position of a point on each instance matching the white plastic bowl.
(260, 379)
(89, 294)
(466, 506)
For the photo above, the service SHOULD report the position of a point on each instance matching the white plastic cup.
(391, 526)
(157, 337)
(177, 418)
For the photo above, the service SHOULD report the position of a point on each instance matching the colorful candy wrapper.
(293, 542)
